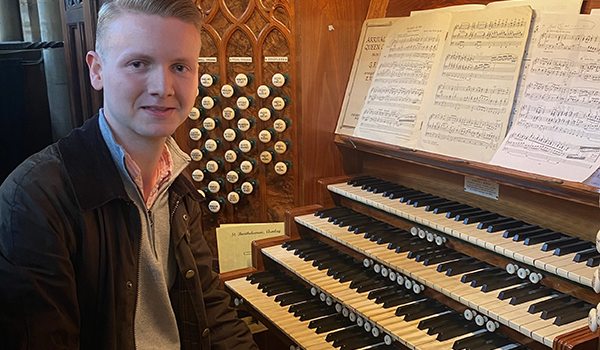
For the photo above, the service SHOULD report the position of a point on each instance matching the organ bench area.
(401, 256)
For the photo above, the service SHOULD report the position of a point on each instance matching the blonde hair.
(185, 10)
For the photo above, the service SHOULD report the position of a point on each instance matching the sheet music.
(392, 111)
(369, 48)
(557, 129)
(472, 95)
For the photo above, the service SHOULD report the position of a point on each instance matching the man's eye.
(181, 68)
(136, 64)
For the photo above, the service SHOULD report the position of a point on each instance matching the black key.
(453, 213)
(351, 215)
(453, 333)
(593, 261)
(393, 301)
(471, 219)
(561, 309)
(520, 237)
(586, 254)
(476, 212)
(496, 284)
(372, 227)
(442, 258)
(388, 290)
(480, 274)
(513, 231)
(471, 342)
(574, 247)
(433, 207)
(551, 245)
(420, 195)
(357, 181)
(425, 311)
(485, 224)
(359, 220)
(441, 209)
(389, 191)
(294, 298)
(402, 193)
(329, 211)
(482, 280)
(453, 271)
(572, 315)
(395, 187)
(506, 225)
(382, 185)
(337, 323)
(343, 333)
(542, 305)
(542, 238)
(431, 253)
(304, 306)
(520, 290)
(533, 295)
(391, 236)
(442, 318)
(448, 265)
(426, 202)
(365, 182)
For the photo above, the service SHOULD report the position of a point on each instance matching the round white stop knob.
(194, 114)
(195, 134)
(228, 113)
(207, 80)
(264, 114)
(196, 155)
(245, 146)
(208, 102)
(198, 175)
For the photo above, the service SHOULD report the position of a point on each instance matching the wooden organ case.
(401, 256)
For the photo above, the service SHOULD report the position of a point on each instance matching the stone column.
(55, 67)
(10, 21)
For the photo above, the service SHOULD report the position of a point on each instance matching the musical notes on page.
(557, 128)
(476, 83)
(392, 110)
(370, 44)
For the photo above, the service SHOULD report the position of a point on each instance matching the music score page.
(471, 99)
(392, 110)
(556, 131)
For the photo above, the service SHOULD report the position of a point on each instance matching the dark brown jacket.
(69, 252)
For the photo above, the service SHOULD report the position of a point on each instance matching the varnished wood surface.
(581, 339)
(324, 62)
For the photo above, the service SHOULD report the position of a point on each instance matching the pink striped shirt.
(161, 174)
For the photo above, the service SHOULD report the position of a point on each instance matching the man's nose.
(160, 82)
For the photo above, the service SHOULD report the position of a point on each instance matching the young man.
(100, 238)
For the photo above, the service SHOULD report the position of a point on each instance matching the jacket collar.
(94, 174)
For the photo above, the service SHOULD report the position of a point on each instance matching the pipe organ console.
(417, 251)
(385, 264)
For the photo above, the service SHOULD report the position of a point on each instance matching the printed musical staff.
(477, 80)
(557, 127)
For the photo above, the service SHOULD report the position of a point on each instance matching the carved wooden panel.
(253, 38)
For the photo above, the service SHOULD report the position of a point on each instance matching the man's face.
(149, 73)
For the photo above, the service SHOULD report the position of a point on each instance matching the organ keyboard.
(396, 259)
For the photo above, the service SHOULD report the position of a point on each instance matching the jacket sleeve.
(38, 302)
(227, 331)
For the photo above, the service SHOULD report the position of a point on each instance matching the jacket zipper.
(174, 210)
(137, 282)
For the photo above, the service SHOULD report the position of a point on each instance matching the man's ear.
(94, 63)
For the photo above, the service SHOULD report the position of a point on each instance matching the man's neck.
(146, 155)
